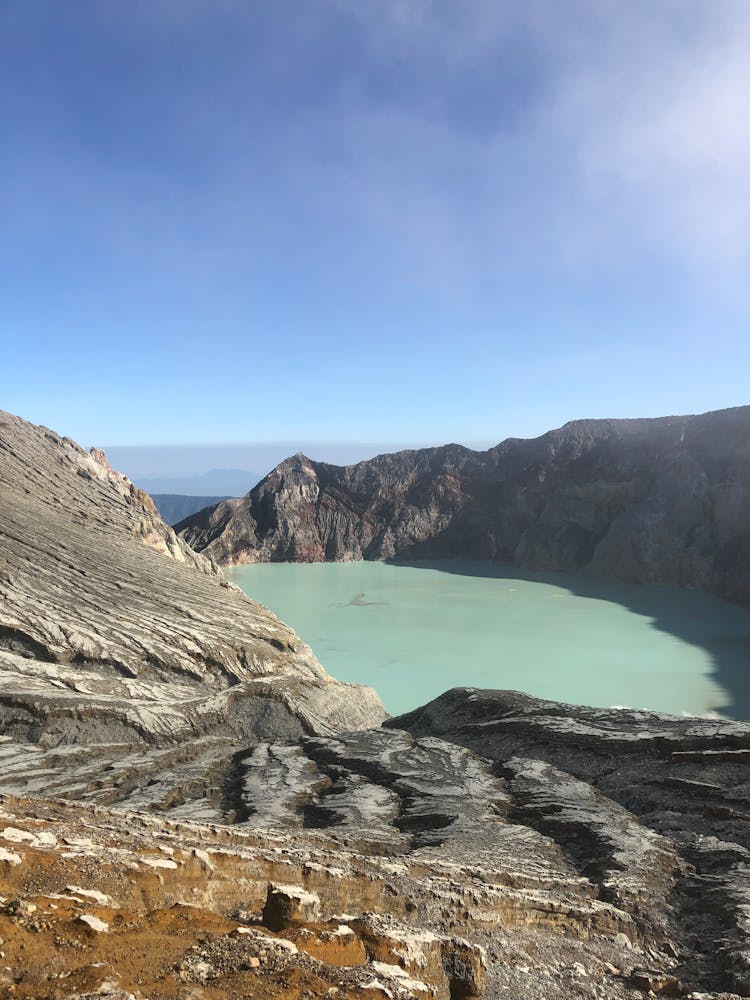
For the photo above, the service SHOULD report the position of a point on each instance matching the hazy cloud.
(658, 110)
(456, 140)
(635, 128)
(421, 212)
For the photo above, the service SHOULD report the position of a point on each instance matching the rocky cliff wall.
(658, 501)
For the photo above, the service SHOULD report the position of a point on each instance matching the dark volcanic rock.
(661, 501)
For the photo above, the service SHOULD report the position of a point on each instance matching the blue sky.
(371, 220)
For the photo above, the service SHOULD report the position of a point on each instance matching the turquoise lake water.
(413, 631)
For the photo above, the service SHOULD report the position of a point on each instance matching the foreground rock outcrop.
(658, 501)
(488, 844)
(107, 904)
(117, 637)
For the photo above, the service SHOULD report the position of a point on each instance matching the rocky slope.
(107, 904)
(661, 501)
(116, 636)
(487, 844)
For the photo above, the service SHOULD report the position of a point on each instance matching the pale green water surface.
(414, 631)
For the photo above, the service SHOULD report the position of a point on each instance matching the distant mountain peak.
(641, 500)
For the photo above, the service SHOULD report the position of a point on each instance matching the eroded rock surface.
(166, 910)
(486, 844)
(97, 901)
(658, 501)
(654, 809)
(115, 634)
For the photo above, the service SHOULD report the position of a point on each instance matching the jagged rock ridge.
(114, 632)
(660, 501)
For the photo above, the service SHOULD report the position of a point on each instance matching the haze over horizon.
(220, 463)
(371, 221)
(218, 467)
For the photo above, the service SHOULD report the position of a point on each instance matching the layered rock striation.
(114, 632)
(659, 501)
(618, 826)
(488, 843)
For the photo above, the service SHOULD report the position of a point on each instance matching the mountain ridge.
(657, 500)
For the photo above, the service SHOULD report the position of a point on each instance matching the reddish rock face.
(309, 554)
(658, 501)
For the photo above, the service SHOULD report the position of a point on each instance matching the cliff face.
(660, 501)
(114, 633)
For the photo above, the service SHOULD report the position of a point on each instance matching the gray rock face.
(615, 843)
(631, 827)
(114, 632)
(659, 501)
(654, 808)
(587, 851)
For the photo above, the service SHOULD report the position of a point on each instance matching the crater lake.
(413, 631)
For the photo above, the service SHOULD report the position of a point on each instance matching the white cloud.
(638, 142)
(659, 120)
(626, 133)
